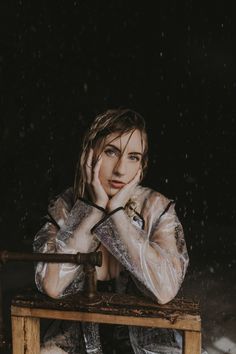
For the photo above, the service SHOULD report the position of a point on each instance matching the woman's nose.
(120, 167)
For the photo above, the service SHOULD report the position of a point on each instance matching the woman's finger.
(136, 178)
(97, 169)
(130, 186)
(88, 167)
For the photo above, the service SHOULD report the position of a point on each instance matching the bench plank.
(183, 323)
(177, 311)
(28, 307)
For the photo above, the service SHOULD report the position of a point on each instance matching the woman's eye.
(111, 152)
(134, 158)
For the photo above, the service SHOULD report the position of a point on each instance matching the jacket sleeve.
(66, 231)
(156, 256)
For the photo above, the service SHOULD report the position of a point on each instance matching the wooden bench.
(28, 307)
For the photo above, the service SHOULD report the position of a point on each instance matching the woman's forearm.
(154, 259)
(74, 236)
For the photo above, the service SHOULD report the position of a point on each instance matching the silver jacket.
(147, 243)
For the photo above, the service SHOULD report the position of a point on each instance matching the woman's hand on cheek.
(121, 198)
(94, 186)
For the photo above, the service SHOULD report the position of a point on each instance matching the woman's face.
(121, 160)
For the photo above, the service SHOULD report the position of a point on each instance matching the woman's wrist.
(107, 215)
(101, 204)
(112, 206)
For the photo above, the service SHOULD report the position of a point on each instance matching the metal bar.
(92, 258)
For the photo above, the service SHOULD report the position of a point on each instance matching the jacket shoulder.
(64, 200)
(147, 195)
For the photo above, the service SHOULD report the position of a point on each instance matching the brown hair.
(113, 120)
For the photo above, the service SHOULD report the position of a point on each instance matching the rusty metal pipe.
(89, 260)
(92, 258)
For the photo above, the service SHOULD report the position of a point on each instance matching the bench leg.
(192, 342)
(25, 335)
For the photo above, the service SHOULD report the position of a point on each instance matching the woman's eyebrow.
(130, 153)
(135, 153)
(113, 146)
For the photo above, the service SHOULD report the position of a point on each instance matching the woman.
(136, 229)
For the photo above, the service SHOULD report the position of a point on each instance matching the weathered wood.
(25, 335)
(192, 342)
(31, 297)
(32, 335)
(108, 308)
(182, 323)
(114, 304)
(18, 334)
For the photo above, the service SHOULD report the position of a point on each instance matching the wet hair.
(111, 121)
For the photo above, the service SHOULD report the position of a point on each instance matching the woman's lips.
(116, 184)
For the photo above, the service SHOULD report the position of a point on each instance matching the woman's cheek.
(102, 170)
(133, 171)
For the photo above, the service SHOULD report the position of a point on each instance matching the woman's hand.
(121, 198)
(95, 188)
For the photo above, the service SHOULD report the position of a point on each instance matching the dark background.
(62, 62)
